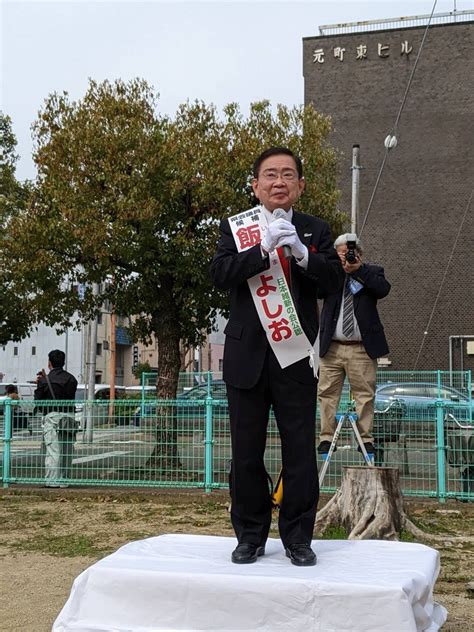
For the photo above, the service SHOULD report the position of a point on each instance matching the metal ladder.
(341, 418)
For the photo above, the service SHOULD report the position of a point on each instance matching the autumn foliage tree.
(14, 318)
(125, 191)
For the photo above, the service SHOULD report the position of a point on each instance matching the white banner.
(271, 294)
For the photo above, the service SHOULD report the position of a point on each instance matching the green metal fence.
(423, 425)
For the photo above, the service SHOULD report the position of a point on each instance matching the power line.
(390, 141)
(427, 328)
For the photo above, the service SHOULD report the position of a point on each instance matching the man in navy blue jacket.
(352, 338)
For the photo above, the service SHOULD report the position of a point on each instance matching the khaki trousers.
(349, 360)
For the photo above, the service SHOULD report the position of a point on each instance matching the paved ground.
(122, 452)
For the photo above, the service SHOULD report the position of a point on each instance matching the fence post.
(142, 397)
(7, 438)
(440, 451)
(208, 453)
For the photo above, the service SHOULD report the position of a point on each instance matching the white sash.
(272, 296)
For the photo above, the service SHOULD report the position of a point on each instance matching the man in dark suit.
(352, 338)
(254, 377)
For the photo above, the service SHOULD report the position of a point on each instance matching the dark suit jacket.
(64, 385)
(246, 342)
(365, 308)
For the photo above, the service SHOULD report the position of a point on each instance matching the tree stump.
(368, 505)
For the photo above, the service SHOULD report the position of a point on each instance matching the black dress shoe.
(369, 448)
(323, 447)
(301, 554)
(246, 553)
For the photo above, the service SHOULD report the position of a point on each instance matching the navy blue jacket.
(375, 287)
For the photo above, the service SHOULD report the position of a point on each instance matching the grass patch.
(334, 533)
(457, 579)
(59, 545)
(138, 535)
(431, 525)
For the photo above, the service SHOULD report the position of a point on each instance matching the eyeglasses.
(288, 175)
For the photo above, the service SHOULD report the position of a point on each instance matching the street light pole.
(355, 187)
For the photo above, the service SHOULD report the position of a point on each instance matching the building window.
(99, 318)
(221, 364)
(99, 349)
(15, 351)
(33, 350)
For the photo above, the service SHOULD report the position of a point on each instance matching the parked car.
(102, 392)
(100, 408)
(25, 407)
(421, 398)
(190, 407)
(26, 390)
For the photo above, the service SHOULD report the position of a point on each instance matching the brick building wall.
(427, 181)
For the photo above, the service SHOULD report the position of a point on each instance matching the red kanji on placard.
(266, 309)
(265, 288)
(249, 236)
(280, 330)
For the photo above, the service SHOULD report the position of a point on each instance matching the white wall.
(218, 337)
(25, 365)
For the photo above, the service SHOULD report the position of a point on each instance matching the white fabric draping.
(187, 582)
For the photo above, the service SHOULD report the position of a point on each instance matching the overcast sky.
(217, 51)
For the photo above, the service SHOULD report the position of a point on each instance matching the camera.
(351, 255)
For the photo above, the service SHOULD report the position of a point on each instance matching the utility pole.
(113, 362)
(91, 366)
(355, 187)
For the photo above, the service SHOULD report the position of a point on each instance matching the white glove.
(298, 249)
(277, 230)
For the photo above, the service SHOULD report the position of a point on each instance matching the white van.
(102, 391)
(100, 409)
(26, 391)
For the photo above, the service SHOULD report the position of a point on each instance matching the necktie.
(348, 311)
(285, 264)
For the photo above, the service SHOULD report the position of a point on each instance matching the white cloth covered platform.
(187, 582)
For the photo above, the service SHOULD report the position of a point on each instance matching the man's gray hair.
(342, 241)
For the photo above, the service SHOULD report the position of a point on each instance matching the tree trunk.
(368, 505)
(165, 455)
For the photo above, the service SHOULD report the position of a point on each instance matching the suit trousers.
(294, 406)
(349, 360)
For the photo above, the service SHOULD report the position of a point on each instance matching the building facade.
(420, 225)
(20, 361)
